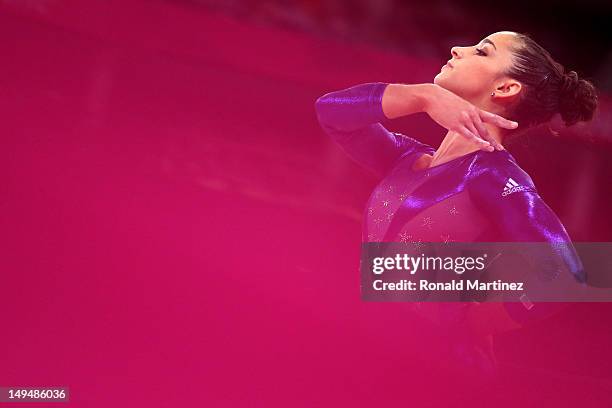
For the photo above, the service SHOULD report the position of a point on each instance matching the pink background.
(178, 231)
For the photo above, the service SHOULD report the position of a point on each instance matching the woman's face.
(477, 70)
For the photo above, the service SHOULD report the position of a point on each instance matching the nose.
(454, 51)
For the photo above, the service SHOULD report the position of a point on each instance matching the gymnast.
(469, 189)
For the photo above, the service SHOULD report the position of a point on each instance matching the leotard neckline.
(455, 160)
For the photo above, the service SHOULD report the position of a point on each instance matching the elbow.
(320, 107)
(328, 120)
(332, 117)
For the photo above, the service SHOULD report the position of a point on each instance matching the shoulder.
(498, 174)
(414, 150)
(412, 145)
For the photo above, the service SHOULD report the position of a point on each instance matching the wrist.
(425, 94)
(405, 99)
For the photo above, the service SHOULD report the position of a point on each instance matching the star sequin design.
(390, 189)
(446, 238)
(389, 216)
(370, 211)
(377, 220)
(403, 196)
(453, 211)
(405, 237)
(427, 222)
(385, 203)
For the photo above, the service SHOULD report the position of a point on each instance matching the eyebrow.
(486, 40)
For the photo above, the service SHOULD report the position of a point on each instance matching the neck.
(455, 145)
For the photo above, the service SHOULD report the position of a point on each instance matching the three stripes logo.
(512, 187)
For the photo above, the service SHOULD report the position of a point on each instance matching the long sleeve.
(352, 118)
(507, 195)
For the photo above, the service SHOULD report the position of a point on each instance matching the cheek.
(474, 79)
(471, 79)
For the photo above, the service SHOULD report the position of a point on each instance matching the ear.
(510, 88)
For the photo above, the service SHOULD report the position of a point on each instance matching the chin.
(449, 85)
(440, 81)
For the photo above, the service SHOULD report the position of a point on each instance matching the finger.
(472, 128)
(497, 120)
(484, 145)
(484, 132)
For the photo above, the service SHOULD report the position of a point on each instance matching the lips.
(448, 64)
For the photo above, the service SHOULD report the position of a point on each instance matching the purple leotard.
(479, 197)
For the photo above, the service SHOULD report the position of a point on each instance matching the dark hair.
(547, 87)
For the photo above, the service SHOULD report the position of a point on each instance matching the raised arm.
(352, 118)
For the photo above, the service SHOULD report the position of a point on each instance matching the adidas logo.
(512, 187)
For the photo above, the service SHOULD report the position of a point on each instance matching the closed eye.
(480, 52)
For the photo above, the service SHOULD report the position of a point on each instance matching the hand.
(455, 113)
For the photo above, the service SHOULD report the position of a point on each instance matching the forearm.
(352, 118)
(405, 99)
(360, 105)
(352, 108)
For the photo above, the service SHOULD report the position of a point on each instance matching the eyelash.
(480, 52)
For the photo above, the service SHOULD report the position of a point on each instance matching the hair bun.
(577, 99)
(568, 82)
